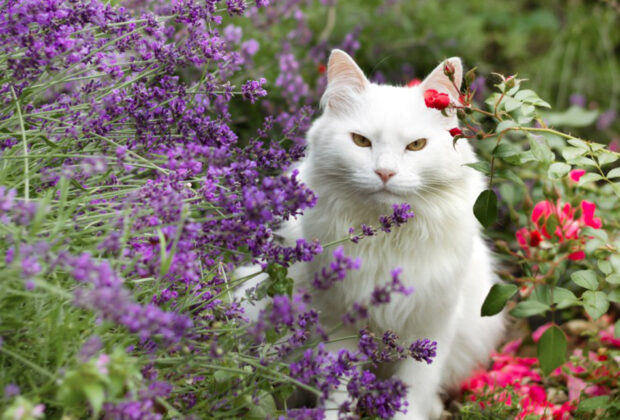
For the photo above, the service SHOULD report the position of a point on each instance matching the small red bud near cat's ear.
(454, 132)
(448, 70)
(510, 82)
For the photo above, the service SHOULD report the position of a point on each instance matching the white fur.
(441, 251)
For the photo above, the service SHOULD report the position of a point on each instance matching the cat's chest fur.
(433, 252)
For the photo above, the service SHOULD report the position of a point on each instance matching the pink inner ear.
(344, 80)
(342, 69)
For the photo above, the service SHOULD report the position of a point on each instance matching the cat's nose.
(385, 174)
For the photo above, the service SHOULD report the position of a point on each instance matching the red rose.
(322, 68)
(455, 132)
(437, 100)
(535, 238)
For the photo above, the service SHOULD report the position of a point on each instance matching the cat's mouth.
(385, 192)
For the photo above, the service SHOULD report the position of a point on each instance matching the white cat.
(374, 146)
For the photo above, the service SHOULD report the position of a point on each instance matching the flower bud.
(448, 70)
(470, 76)
(510, 82)
(460, 114)
(455, 132)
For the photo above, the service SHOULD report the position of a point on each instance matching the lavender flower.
(11, 390)
(336, 271)
(253, 89)
(402, 213)
(423, 349)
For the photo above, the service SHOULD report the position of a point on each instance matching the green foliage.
(551, 350)
(485, 208)
(497, 298)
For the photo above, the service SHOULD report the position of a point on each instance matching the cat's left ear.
(345, 81)
(440, 81)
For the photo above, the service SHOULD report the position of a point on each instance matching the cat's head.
(382, 143)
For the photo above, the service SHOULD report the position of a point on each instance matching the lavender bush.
(128, 199)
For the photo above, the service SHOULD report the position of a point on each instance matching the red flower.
(437, 100)
(455, 132)
(568, 228)
(414, 82)
(535, 238)
(576, 174)
(322, 69)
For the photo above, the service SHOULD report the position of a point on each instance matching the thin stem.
(25, 143)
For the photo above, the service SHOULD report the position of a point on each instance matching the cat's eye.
(360, 140)
(419, 144)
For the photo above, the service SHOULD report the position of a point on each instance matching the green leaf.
(279, 283)
(541, 150)
(563, 298)
(530, 97)
(552, 223)
(504, 125)
(510, 104)
(617, 329)
(594, 403)
(572, 153)
(485, 208)
(551, 350)
(542, 294)
(604, 157)
(95, 395)
(484, 167)
(497, 298)
(585, 278)
(529, 308)
(605, 266)
(558, 170)
(595, 233)
(589, 177)
(613, 278)
(506, 173)
(265, 407)
(573, 117)
(506, 150)
(614, 173)
(614, 296)
(592, 245)
(595, 303)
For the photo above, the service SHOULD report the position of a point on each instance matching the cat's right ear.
(345, 80)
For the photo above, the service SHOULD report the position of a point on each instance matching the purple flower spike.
(423, 349)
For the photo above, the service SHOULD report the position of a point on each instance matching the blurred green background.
(569, 50)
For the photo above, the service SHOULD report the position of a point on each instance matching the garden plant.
(147, 152)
